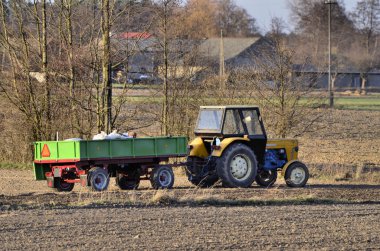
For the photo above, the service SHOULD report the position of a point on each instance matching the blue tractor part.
(274, 159)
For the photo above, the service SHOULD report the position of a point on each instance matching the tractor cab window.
(251, 120)
(233, 123)
(210, 120)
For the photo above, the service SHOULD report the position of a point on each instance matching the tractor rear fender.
(225, 143)
(283, 171)
(197, 148)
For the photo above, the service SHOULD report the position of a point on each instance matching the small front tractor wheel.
(237, 167)
(266, 178)
(296, 175)
(130, 181)
(63, 186)
(99, 179)
(162, 177)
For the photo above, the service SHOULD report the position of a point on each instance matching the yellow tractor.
(231, 145)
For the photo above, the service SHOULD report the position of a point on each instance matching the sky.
(264, 10)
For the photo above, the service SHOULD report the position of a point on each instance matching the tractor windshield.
(242, 121)
(210, 120)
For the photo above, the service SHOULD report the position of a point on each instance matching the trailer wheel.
(128, 182)
(99, 179)
(266, 178)
(63, 186)
(296, 175)
(162, 177)
(237, 167)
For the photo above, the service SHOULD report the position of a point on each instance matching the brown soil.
(320, 216)
(344, 137)
(329, 227)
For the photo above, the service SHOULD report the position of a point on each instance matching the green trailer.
(92, 162)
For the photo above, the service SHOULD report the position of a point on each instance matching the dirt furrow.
(168, 228)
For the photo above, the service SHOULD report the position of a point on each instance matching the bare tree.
(31, 97)
(178, 66)
(200, 19)
(234, 20)
(283, 96)
(165, 22)
(277, 28)
(310, 18)
(366, 18)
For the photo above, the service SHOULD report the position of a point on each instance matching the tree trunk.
(106, 85)
(67, 4)
(166, 66)
(363, 87)
(47, 101)
(333, 80)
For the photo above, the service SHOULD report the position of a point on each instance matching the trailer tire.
(99, 179)
(237, 167)
(162, 177)
(296, 175)
(266, 178)
(63, 186)
(128, 182)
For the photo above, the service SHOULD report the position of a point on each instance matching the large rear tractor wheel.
(63, 186)
(195, 175)
(266, 178)
(162, 177)
(296, 175)
(237, 167)
(99, 179)
(130, 181)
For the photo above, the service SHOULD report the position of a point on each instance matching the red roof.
(134, 35)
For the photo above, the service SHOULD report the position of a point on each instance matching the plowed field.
(320, 216)
(302, 227)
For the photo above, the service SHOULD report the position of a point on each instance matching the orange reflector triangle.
(45, 151)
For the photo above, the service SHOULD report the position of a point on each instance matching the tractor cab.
(229, 121)
(240, 123)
